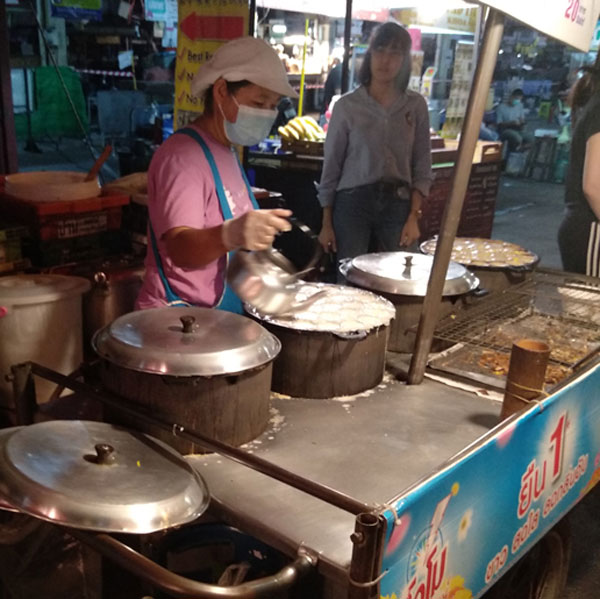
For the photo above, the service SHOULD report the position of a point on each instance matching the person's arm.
(336, 143)
(411, 231)
(591, 173)
(254, 230)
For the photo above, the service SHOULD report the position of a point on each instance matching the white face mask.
(252, 124)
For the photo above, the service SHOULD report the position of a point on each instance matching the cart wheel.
(542, 572)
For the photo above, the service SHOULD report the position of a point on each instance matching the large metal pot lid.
(493, 254)
(404, 273)
(64, 471)
(186, 342)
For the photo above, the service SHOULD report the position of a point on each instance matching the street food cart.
(415, 490)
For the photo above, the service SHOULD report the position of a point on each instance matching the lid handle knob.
(188, 323)
(105, 453)
(407, 266)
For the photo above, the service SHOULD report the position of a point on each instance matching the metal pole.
(323, 492)
(23, 393)
(347, 33)
(8, 138)
(482, 80)
(367, 544)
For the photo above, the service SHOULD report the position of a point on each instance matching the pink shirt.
(182, 193)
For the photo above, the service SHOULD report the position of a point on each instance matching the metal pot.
(115, 284)
(205, 369)
(402, 278)
(54, 471)
(113, 293)
(335, 346)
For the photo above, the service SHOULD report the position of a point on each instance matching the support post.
(482, 80)
(346, 60)
(23, 393)
(367, 550)
(8, 138)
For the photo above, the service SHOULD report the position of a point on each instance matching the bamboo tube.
(526, 375)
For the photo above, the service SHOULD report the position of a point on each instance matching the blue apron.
(229, 301)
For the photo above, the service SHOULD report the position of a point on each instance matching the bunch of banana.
(302, 128)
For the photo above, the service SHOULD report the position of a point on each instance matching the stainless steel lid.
(97, 476)
(404, 273)
(186, 342)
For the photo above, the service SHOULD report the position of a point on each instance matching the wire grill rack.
(558, 308)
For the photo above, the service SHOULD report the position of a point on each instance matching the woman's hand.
(255, 230)
(327, 238)
(410, 231)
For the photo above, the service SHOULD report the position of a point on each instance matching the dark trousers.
(366, 218)
(579, 243)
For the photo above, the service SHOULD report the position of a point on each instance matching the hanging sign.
(89, 10)
(203, 26)
(570, 21)
(456, 19)
(161, 10)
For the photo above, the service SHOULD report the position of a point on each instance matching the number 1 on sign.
(557, 439)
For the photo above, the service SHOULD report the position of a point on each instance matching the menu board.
(570, 21)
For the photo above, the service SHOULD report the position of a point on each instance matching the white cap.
(245, 58)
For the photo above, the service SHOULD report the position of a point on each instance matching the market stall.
(387, 491)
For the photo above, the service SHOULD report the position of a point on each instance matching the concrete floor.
(528, 213)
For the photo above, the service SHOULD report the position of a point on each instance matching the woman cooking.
(200, 204)
(377, 166)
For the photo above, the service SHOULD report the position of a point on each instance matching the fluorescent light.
(279, 28)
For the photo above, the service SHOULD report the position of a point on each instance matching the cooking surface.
(339, 309)
(372, 446)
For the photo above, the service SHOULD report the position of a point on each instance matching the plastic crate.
(65, 220)
(55, 252)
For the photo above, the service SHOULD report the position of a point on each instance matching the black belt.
(391, 187)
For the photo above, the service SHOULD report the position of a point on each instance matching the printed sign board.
(456, 534)
(204, 25)
(570, 21)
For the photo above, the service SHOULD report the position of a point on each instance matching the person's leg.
(352, 216)
(390, 220)
(512, 138)
(574, 236)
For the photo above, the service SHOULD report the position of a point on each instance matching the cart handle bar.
(179, 586)
(323, 492)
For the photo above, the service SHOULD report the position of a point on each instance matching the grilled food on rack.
(498, 363)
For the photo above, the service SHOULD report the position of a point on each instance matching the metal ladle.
(268, 281)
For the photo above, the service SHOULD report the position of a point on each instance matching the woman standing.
(579, 233)
(200, 204)
(377, 166)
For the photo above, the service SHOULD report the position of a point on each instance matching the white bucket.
(40, 321)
